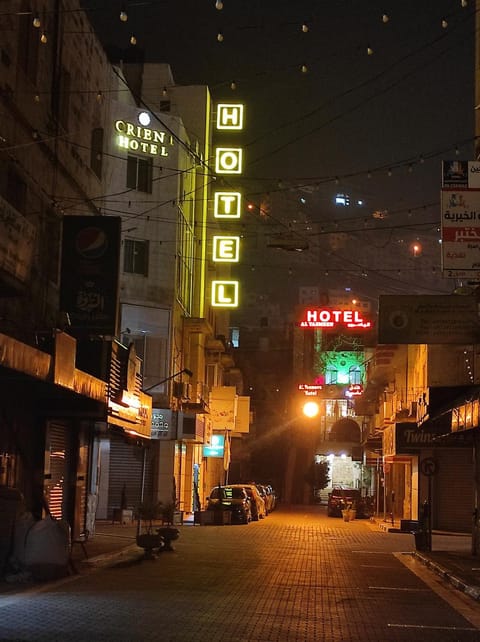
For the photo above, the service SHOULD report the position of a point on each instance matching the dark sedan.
(342, 498)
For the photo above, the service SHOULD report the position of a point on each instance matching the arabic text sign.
(460, 231)
(437, 319)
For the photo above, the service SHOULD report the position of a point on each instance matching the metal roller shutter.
(126, 467)
(453, 490)
(56, 468)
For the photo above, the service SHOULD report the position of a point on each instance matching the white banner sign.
(461, 233)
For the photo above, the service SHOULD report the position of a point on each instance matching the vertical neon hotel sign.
(227, 205)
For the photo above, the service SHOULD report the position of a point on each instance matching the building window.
(12, 187)
(140, 173)
(331, 375)
(235, 337)
(343, 200)
(354, 375)
(135, 257)
(96, 151)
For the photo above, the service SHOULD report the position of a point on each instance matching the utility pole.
(476, 429)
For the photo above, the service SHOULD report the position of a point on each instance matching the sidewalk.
(111, 543)
(450, 557)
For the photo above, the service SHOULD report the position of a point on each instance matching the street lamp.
(185, 370)
(311, 409)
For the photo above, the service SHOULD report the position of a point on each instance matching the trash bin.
(421, 543)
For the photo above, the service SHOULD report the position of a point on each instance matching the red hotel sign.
(329, 318)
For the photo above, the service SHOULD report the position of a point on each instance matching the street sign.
(428, 467)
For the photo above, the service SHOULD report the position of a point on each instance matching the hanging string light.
(43, 38)
(123, 15)
(444, 23)
(233, 85)
(305, 27)
(385, 18)
(219, 5)
(133, 40)
(464, 3)
(304, 69)
(220, 36)
(369, 51)
(36, 22)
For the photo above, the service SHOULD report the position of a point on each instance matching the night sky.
(375, 126)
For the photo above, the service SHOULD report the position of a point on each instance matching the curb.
(472, 591)
(103, 559)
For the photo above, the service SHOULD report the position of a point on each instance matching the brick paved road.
(297, 575)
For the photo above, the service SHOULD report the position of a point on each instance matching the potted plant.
(147, 537)
(168, 531)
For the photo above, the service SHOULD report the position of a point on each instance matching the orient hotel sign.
(227, 204)
(141, 137)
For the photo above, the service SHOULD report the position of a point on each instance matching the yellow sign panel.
(225, 294)
(226, 249)
(230, 116)
(227, 204)
(228, 160)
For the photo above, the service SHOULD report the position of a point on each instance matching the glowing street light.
(311, 409)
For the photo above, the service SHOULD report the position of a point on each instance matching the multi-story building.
(102, 161)
(332, 343)
(421, 393)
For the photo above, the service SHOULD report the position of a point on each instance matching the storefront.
(47, 427)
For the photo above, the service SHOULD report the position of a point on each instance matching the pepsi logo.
(91, 242)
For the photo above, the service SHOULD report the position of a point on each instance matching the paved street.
(296, 575)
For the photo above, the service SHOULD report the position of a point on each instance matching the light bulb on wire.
(220, 36)
(43, 38)
(304, 69)
(369, 51)
(36, 22)
(123, 15)
(233, 85)
(464, 3)
(444, 23)
(385, 18)
(133, 40)
(219, 5)
(305, 27)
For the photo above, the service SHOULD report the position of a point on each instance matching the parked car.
(272, 495)
(341, 498)
(234, 499)
(259, 510)
(265, 496)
